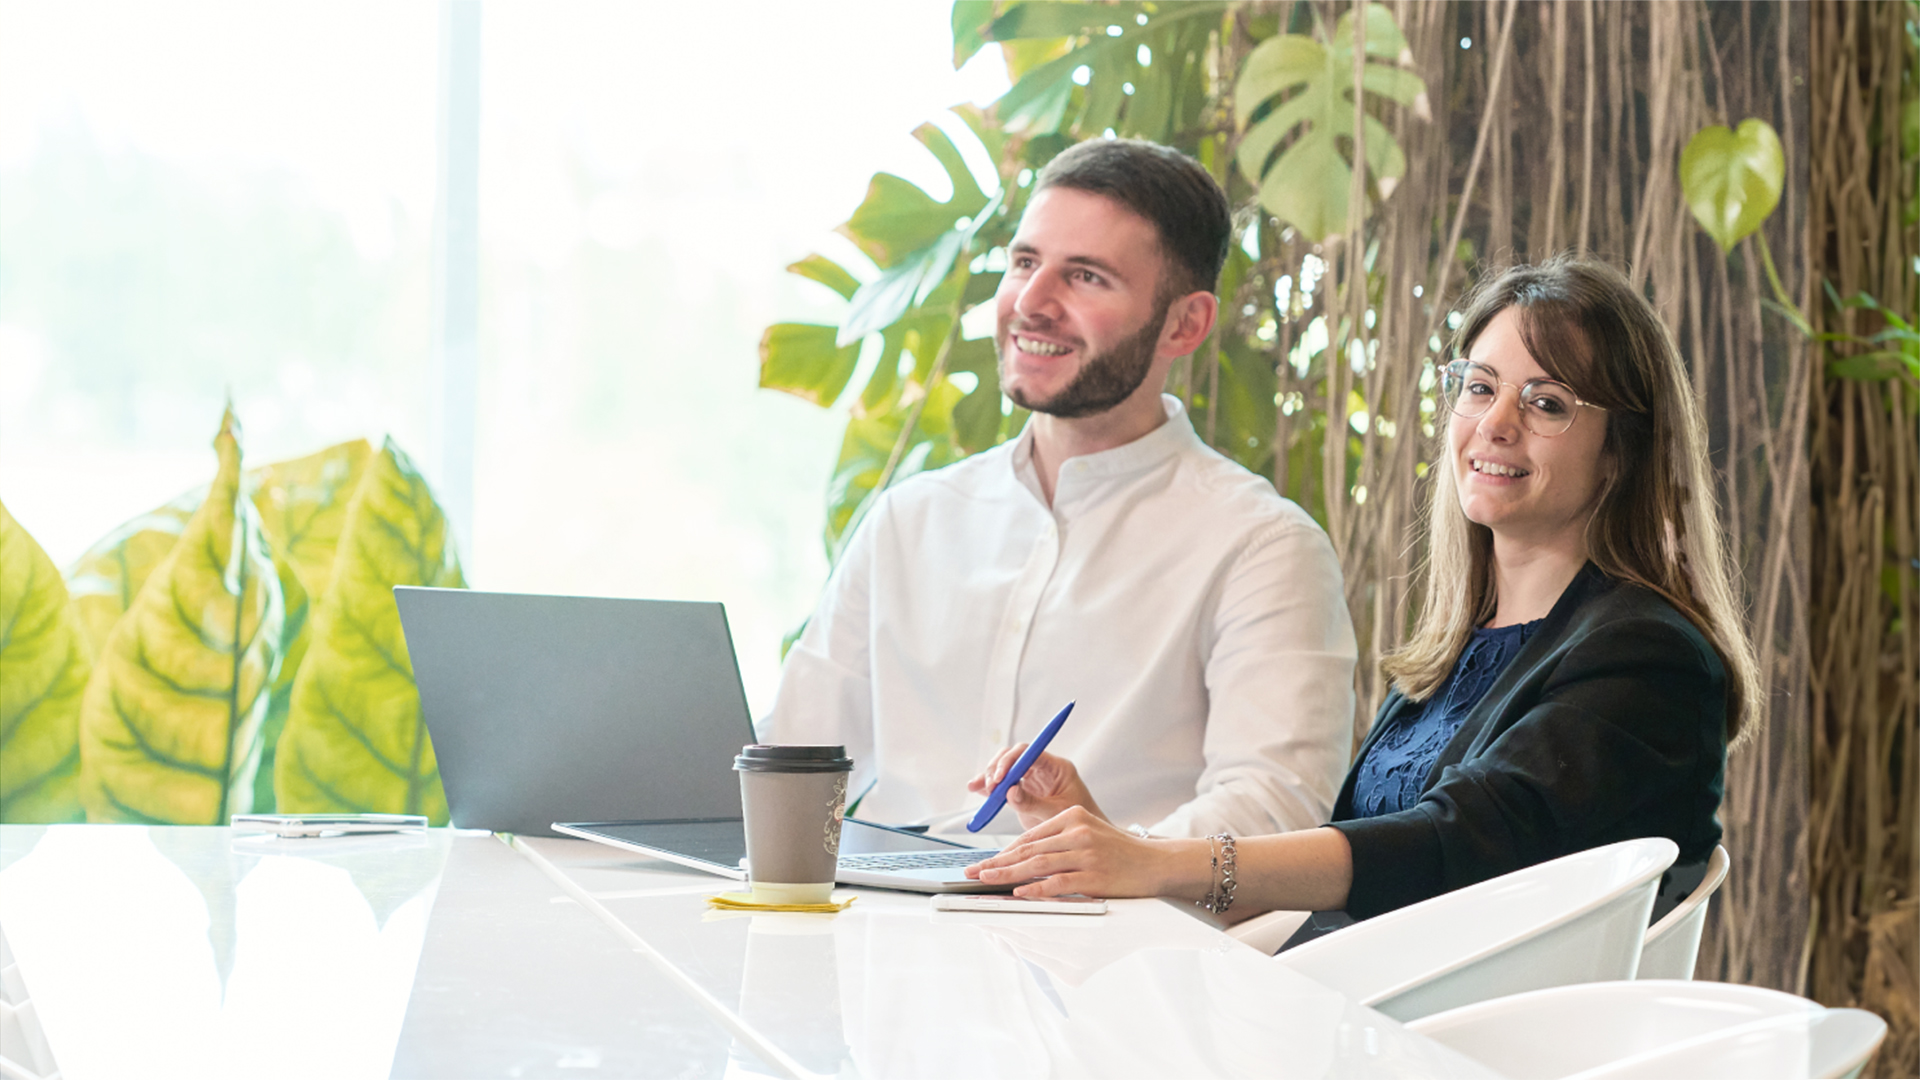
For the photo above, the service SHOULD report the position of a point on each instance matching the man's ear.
(1190, 319)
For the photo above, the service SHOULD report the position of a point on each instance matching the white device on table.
(1074, 905)
(309, 825)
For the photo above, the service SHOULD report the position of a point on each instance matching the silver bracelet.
(1220, 879)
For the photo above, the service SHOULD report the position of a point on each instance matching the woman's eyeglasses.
(1547, 406)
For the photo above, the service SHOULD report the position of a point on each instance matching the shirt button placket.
(1003, 699)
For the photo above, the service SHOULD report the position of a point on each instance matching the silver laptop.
(874, 855)
(613, 720)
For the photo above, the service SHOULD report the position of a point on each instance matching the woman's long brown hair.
(1653, 522)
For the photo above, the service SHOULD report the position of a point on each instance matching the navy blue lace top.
(1395, 769)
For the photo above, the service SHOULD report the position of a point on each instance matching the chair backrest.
(1843, 1041)
(1673, 943)
(1823, 1043)
(1269, 931)
(1576, 919)
(1570, 1030)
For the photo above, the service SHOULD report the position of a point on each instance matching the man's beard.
(1105, 380)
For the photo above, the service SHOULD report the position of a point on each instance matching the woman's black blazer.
(1609, 725)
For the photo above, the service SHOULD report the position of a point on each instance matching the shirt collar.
(1156, 446)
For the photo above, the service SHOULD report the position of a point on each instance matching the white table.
(194, 952)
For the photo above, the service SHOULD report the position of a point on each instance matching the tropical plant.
(1548, 127)
(1144, 70)
(174, 675)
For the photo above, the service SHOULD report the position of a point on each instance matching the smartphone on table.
(1060, 905)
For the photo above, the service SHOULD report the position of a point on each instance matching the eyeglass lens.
(1470, 389)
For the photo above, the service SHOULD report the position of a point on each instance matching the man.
(1106, 556)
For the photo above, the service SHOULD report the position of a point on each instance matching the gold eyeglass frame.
(1526, 412)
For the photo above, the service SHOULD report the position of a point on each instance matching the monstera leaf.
(1307, 184)
(1732, 179)
(44, 663)
(354, 739)
(803, 360)
(171, 725)
(897, 219)
(869, 442)
(1137, 79)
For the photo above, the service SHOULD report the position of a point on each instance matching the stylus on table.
(999, 797)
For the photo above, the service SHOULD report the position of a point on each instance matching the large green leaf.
(802, 359)
(869, 442)
(1061, 18)
(105, 580)
(977, 419)
(1041, 98)
(827, 272)
(970, 21)
(354, 740)
(44, 664)
(881, 302)
(1307, 183)
(897, 219)
(1732, 179)
(171, 726)
(303, 505)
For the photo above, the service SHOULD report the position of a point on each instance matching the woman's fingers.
(1037, 865)
(1057, 885)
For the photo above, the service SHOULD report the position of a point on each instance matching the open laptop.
(870, 854)
(616, 721)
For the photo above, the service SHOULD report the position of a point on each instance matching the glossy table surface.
(196, 952)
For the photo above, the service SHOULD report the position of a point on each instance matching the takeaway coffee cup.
(793, 798)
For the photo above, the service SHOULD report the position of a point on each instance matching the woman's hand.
(1051, 786)
(1077, 852)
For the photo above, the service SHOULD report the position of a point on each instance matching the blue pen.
(999, 797)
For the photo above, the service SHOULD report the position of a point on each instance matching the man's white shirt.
(1195, 616)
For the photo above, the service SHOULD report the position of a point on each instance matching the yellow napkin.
(744, 901)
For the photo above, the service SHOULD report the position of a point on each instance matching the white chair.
(1568, 1030)
(1651, 1029)
(1673, 943)
(24, 1054)
(1825, 1043)
(1581, 918)
(1270, 931)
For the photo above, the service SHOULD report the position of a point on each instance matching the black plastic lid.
(760, 758)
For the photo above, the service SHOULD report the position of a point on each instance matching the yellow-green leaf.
(44, 663)
(105, 580)
(1732, 179)
(802, 359)
(170, 729)
(303, 505)
(294, 635)
(354, 739)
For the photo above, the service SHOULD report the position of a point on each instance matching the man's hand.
(1050, 786)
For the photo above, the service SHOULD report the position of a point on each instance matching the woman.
(1578, 669)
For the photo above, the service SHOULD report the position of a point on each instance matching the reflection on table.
(193, 952)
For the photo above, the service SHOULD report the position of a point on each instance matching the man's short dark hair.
(1179, 198)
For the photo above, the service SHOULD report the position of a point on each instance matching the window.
(199, 199)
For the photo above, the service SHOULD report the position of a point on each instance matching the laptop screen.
(569, 708)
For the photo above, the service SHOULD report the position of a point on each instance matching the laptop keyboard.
(916, 860)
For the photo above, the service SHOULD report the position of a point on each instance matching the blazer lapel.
(1479, 729)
